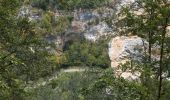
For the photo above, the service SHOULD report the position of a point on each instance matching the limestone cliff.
(122, 48)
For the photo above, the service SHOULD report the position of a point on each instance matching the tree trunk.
(150, 47)
(161, 60)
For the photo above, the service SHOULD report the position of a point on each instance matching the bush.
(85, 53)
(43, 4)
(66, 87)
(68, 4)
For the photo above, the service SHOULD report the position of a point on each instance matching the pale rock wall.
(97, 28)
(95, 32)
(123, 49)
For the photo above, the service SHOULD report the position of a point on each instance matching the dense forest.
(71, 50)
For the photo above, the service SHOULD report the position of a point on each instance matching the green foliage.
(68, 4)
(85, 53)
(111, 88)
(85, 4)
(43, 4)
(49, 24)
(66, 87)
(23, 56)
(151, 25)
(62, 24)
(46, 22)
(166, 90)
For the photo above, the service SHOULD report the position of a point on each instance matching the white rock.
(123, 49)
(96, 31)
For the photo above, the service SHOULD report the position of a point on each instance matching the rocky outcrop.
(122, 48)
(95, 32)
(91, 24)
(30, 12)
(126, 48)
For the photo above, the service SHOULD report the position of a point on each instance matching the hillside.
(84, 49)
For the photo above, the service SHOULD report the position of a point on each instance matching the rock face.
(95, 32)
(123, 48)
(90, 24)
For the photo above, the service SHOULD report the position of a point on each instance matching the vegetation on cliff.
(37, 47)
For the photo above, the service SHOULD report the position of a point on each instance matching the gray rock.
(96, 31)
(123, 48)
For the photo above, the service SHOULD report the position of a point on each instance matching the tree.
(108, 87)
(150, 24)
(68, 5)
(84, 53)
(23, 54)
(43, 4)
(63, 24)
